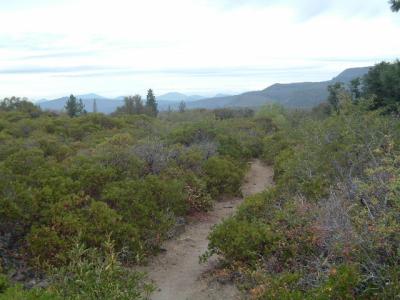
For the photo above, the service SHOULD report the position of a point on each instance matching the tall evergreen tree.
(74, 107)
(94, 106)
(335, 91)
(182, 107)
(81, 108)
(138, 105)
(383, 81)
(355, 88)
(18, 104)
(151, 104)
(133, 105)
(129, 105)
(395, 4)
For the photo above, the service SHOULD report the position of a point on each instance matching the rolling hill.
(295, 95)
(178, 97)
(107, 105)
(104, 105)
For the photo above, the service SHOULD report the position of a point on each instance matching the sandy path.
(177, 272)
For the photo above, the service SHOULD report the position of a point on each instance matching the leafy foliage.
(127, 177)
(133, 105)
(395, 5)
(329, 229)
(223, 177)
(383, 81)
(93, 275)
(151, 104)
(74, 107)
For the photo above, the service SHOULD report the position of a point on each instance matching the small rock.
(19, 277)
(43, 284)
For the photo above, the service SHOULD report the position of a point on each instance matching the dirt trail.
(177, 272)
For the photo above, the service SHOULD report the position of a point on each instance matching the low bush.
(222, 177)
(97, 276)
(240, 240)
(129, 177)
(329, 229)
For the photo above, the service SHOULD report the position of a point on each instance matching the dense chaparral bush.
(82, 197)
(124, 177)
(330, 228)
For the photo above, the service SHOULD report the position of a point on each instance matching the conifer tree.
(151, 104)
(133, 105)
(73, 107)
(94, 106)
(395, 4)
(182, 107)
(138, 104)
(335, 91)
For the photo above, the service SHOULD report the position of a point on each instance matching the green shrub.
(90, 176)
(329, 228)
(169, 194)
(151, 204)
(18, 293)
(231, 147)
(192, 133)
(284, 286)
(4, 283)
(273, 145)
(342, 283)
(127, 177)
(240, 240)
(222, 177)
(96, 275)
(198, 198)
(258, 207)
(47, 246)
(89, 219)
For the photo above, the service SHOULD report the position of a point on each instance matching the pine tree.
(182, 107)
(335, 92)
(94, 106)
(355, 88)
(138, 104)
(151, 104)
(73, 107)
(395, 4)
(133, 105)
(81, 108)
(129, 105)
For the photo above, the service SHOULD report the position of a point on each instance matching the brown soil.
(177, 272)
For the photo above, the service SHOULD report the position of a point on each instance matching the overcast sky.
(51, 48)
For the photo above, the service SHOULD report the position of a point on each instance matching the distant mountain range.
(107, 105)
(294, 95)
(104, 105)
(178, 97)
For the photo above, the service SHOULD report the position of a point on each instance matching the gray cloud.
(58, 55)
(26, 4)
(51, 70)
(307, 9)
(31, 41)
(197, 72)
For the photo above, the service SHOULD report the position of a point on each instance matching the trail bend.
(177, 272)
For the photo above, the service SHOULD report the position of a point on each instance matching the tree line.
(382, 82)
(133, 105)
